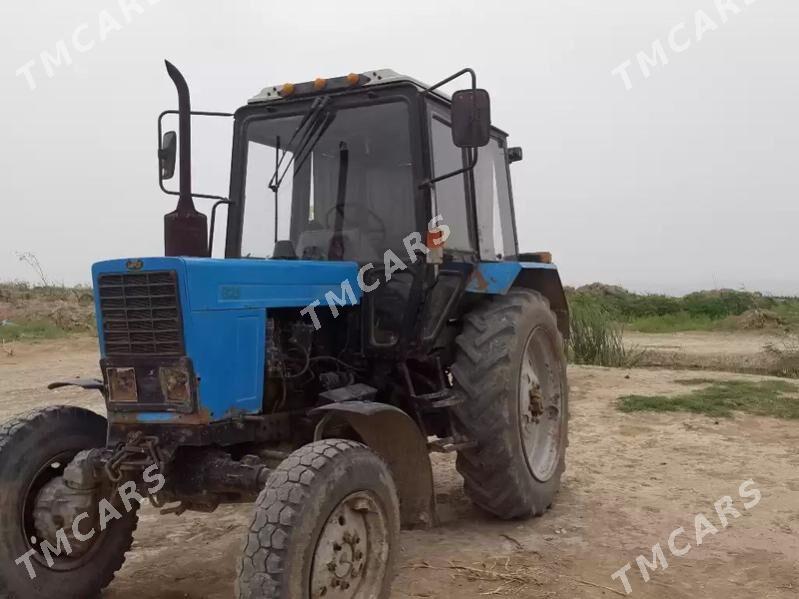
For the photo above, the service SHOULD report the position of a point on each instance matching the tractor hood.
(205, 316)
(215, 284)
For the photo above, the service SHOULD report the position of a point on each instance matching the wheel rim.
(540, 406)
(47, 472)
(351, 553)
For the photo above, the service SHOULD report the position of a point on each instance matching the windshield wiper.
(306, 130)
(341, 193)
(311, 129)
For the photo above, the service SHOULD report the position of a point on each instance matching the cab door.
(496, 230)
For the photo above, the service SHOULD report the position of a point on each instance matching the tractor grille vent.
(140, 314)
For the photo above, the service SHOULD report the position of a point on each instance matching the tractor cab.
(343, 169)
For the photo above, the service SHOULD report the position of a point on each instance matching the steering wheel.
(371, 215)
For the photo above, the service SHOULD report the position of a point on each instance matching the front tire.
(326, 525)
(511, 371)
(34, 450)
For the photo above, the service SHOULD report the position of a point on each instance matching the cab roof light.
(287, 89)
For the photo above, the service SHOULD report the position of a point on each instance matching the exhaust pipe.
(185, 229)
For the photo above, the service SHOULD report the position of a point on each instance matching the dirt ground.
(631, 480)
(739, 351)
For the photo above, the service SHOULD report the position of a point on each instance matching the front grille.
(140, 314)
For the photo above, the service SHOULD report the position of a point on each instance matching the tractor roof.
(366, 79)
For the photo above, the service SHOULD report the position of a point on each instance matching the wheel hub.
(56, 508)
(351, 551)
(536, 407)
(540, 411)
(62, 500)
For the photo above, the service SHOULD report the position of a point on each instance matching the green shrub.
(669, 323)
(698, 311)
(596, 338)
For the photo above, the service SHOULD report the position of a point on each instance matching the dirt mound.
(68, 308)
(603, 290)
(757, 320)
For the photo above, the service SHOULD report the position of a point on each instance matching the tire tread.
(483, 373)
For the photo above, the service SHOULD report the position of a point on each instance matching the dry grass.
(512, 579)
(784, 356)
(31, 312)
(512, 576)
(596, 338)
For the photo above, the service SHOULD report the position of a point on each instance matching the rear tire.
(34, 449)
(511, 370)
(327, 524)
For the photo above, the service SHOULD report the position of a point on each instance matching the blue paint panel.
(249, 336)
(496, 278)
(228, 350)
(157, 417)
(213, 284)
(224, 304)
(232, 284)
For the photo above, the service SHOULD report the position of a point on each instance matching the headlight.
(175, 385)
(122, 385)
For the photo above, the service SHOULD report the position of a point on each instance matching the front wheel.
(36, 507)
(511, 371)
(326, 525)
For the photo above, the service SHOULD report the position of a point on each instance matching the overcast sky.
(687, 180)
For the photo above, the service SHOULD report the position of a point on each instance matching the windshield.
(348, 190)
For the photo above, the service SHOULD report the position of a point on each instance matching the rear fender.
(393, 435)
(497, 278)
(547, 283)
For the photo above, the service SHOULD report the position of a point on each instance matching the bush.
(698, 311)
(596, 338)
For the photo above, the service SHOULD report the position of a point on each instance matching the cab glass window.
(450, 194)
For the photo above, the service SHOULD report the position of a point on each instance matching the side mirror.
(471, 118)
(167, 155)
(515, 154)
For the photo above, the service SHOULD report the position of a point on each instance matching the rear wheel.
(34, 451)
(511, 371)
(326, 525)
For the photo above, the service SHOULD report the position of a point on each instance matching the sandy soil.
(631, 480)
(743, 352)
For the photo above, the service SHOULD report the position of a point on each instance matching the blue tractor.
(372, 306)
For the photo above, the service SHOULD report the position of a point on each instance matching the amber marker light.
(435, 239)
